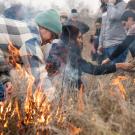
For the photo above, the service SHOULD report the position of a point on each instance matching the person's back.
(16, 32)
(114, 32)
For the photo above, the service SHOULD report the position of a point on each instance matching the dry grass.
(98, 110)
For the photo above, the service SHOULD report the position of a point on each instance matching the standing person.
(96, 55)
(29, 39)
(114, 32)
(63, 17)
(129, 42)
(94, 40)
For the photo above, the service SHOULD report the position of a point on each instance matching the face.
(105, 1)
(8, 88)
(98, 25)
(74, 18)
(129, 22)
(80, 39)
(46, 35)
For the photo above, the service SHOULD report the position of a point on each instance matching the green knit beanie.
(49, 20)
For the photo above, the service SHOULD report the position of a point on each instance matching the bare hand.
(100, 50)
(106, 61)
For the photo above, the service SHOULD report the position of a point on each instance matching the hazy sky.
(91, 4)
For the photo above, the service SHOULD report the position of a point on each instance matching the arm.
(95, 69)
(122, 47)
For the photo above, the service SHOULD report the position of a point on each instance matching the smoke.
(59, 4)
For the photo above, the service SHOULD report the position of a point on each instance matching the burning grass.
(105, 107)
(99, 110)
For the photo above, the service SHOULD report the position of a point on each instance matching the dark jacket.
(71, 57)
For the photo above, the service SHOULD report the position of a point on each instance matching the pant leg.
(132, 48)
(120, 58)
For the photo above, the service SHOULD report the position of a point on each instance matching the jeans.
(132, 48)
(120, 58)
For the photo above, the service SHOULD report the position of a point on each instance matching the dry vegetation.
(105, 107)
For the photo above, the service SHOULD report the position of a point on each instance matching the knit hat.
(49, 20)
(128, 14)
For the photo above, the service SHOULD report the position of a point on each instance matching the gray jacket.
(112, 31)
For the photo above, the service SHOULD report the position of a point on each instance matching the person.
(6, 88)
(114, 33)
(131, 5)
(94, 40)
(129, 42)
(16, 12)
(29, 39)
(63, 17)
(74, 20)
(65, 58)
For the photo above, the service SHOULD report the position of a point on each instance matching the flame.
(80, 100)
(36, 110)
(14, 54)
(74, 130)
(117, 82)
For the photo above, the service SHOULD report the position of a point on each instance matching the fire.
(80, 100)
(117, 82)
(74, 130)
(36, 111)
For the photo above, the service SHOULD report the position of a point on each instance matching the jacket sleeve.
(122, 47)
(89, 68)
(115, 13)
(33, 60)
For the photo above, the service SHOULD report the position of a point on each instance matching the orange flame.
(37, 110)
(117, 82)
(80, 100)
(74, 130)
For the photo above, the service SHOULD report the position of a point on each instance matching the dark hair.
(99, 20)
(54, 35)
(73, 10)
(131, 4)
(103, 7)
(69, 33)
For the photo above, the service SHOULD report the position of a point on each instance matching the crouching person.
(65, 57)
(29, 39)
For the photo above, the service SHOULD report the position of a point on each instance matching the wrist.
(108, 60)
(118, 65)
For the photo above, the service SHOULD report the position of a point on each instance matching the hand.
(124, 66)
(106, 61)
(100, 50)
